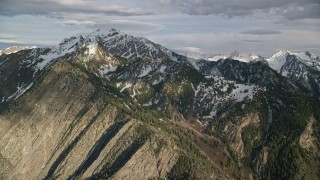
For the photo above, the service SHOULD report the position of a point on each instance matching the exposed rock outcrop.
(234, 133)
(260, 160)
(64, 128)
(307, 139)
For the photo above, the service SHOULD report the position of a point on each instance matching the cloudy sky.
(203, 26)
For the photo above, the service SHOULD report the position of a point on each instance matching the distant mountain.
(15, 49)
(235, 55)
(244, 57)
(280, 60)
(110, 105)
(302, 68)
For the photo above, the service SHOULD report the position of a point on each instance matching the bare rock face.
(307, 139)
(261, 160)
(234, 132)
(64, 128)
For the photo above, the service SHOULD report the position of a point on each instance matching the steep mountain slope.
(66, 126)
(302, 68)
(96, 45)
(17, 71)
(190, 118)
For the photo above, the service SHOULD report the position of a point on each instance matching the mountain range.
(110, 105)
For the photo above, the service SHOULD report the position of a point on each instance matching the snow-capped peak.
(127, 46)
(278, 60)
(244, 57)
(69, 45)
(114, 41)
(217, 57)
(282, 53)
(104, 33)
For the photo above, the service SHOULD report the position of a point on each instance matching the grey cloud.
(254, 41)
(289, 9)
(129, 26)
(302, 22)
(136, 25)
(301, 11)
(51, 8)
(7, 36)
(261, 32)
(299, 40)
(94, 21)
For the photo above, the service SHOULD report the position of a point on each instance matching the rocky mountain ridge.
(108, 85)
(15, 49)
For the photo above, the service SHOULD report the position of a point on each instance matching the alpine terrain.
(108, 105)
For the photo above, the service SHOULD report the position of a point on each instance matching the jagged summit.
(302, 67)
(119, 44)
(115, 42)
(283, 57)
(277, 60)
(236, 55)
(107, 105)
(245, 57)
(103, 32)
(113, 30)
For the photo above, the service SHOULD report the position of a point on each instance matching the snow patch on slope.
(67, 46)
(145, 71)
(20, 91)
(105, 69)
(242, 91)
(162, 69)
(126, 86)
(194, 63)
(214, 96)
(92, 49)
(157, 81)
(309, 59)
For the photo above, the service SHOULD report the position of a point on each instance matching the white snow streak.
(21, 90)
